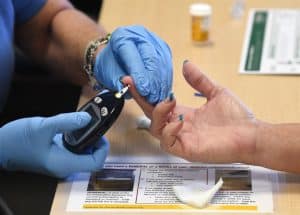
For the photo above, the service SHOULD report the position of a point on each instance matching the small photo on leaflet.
(234, 179)
(112, 180)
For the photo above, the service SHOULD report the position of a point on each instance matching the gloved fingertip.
(102, 149)
(99, 157)
(83, 118)
(152, 99)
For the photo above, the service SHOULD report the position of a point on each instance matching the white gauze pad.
(194, 196)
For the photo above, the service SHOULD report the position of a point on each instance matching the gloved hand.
(35, 144)
(141, 54)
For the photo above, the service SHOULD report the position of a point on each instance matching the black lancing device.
(104, 109)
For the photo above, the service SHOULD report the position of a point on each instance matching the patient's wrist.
(247, 142)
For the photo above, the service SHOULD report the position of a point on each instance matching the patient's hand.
(220, 131)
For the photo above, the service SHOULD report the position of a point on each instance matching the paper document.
(272, 42)
(136, 187)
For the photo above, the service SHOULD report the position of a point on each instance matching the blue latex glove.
(141, 54)
(35, 144)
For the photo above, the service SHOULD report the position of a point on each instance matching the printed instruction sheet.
(272, 42)
(132, 187)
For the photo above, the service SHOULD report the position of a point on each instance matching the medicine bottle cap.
(200, 9)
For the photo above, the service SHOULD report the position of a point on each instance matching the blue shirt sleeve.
(26, 9)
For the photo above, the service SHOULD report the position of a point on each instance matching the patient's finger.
(198, 80)
(170, 136)
(146, 107)
(161, 115)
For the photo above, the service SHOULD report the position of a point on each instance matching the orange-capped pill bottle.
(200, 22)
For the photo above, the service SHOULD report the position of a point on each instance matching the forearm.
(69, 41)
(278, 146)
(57, 37)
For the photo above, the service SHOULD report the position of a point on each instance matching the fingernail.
(185, 61)
(170, 97)
(180, 117)
(199, 94)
